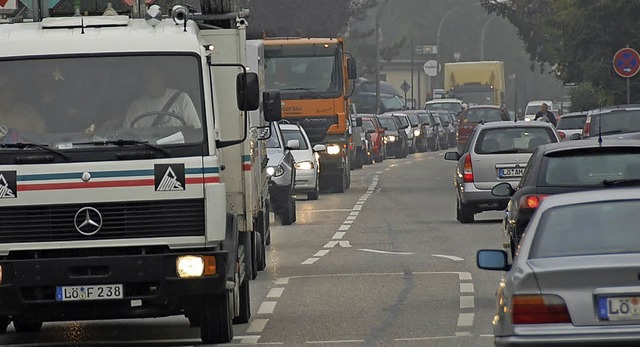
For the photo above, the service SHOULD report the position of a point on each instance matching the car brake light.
(587, 127)
(468, 169)
(531, 201)
(562, 134)
(539, 309)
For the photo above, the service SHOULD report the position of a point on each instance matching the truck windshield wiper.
(622, 182)
(23, 145)
(122, 143)
(307, 90)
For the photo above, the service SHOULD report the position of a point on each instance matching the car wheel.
(314, 194)
(288, 217)
(27, 326)
(512, 247)
(463, 213)
(216, 324)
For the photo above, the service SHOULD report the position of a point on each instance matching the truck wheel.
(215, 318)
(245, 304)
(26, 327)
(267, 223)
(262, 254)
(288, 217)
(348, 173)
(463, 213)
(255, 253)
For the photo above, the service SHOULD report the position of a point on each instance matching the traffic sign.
(8, 5)
(626, 62)
(405, 86)
(427, 49)
(431, 68)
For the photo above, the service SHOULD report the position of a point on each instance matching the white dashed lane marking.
(267, 307)
(275, 292)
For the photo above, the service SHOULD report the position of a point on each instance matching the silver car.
(571, 123)
(282, 174)
(574, 279)
(496, 152)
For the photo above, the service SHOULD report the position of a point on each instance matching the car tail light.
(467, 175)
(587, 128)
(531, 201)
(539, 309)
(562, 135)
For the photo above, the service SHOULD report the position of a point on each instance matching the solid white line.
(309, 261)
(465, 319)
(275, 292)
(465, 276)
(425, 338)
(344, 227)
(352, 217)
(467, 302)
(357, 207)
(338, 235)
(333, 342)
(283, 280)
(267, 307)
(321, 253)
(257, 325)
(486, 335)
(463, 334)
(450, 257)
(331, 244)
(384, 252)
(466, 287)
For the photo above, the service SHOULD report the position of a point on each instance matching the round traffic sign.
(626, 62)
(431, 68)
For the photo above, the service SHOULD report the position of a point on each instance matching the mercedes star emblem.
(88, 221)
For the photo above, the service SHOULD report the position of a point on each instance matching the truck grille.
(120, 220)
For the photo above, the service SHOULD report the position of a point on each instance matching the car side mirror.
(503, 190)
(352, 69)
(493, 260)
(370, 131)
(576, 136)
(293, 144)
(272, 105)
(247, 91)
(319, 148)
(358, 122)
(452, 156)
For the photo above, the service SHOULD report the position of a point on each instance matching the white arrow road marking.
(450, 257)
(384, 252)
(344, 244)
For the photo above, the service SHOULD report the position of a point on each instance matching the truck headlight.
(333, 149)
(304, 165)
(391, 138)
(416, 132)
(189, 266)
(275, 171)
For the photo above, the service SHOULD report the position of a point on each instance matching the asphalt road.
(384, 264)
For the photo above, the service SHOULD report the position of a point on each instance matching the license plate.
(90, 292)
(619, 308)
(510, 172)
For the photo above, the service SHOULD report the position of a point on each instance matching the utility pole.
(377, 28)
(412, 48)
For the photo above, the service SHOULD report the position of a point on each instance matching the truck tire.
(216, 324)
(288, 217)
(27, 326)
(262, 254)
(340, 184)
(267, 223)
(245, 304)
(255, 253)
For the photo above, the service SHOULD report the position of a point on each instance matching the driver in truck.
(15, 114)
(161, 106)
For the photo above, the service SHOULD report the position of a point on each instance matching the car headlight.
(333, 149)
(391, 138)
(416, 132)
(304, 165)
(275, 171)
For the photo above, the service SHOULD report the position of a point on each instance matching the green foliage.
(585, 97)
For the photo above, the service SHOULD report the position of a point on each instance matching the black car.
(567, 167)
(396, 140)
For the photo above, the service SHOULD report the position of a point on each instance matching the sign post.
(405, 88)
(626, 63)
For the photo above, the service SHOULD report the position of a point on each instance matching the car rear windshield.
(592, 168)
(513, 140)
(486, 114)
(415, 121)
(388, 123)
(425, 119)
(445, 106)
(607, 227)
(616, 122)
(573, 122)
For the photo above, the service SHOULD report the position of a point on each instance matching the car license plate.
(89, 292)
(510, 172)
(619, 308)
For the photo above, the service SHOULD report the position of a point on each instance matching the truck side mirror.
(352, 69)
(272, 105)
(248, 91)
(358, 122)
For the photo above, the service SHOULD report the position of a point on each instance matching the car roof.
(444, 101)
(614, 109)
(586, 144)
(615, 194)
(574, 114)
(539, 102)
(285, 126)
(512, 124)
(484, 106)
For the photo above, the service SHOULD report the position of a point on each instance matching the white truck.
(124, 146)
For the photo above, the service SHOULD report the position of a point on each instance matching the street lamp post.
(484, 31)
(377, 28)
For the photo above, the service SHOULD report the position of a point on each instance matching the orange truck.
(314, 77)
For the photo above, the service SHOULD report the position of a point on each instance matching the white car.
(451, 105)
(534, 107)
(306, 159)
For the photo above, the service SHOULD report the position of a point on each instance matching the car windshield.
(487, 114)
(425, 119)
(295, 135)
(512, 140)
(616, 122)
(403, 120)
(274, 140)
(388, 123)
(62, 102)
(415, 120)
(588, 229)
(391, 103)
(533, 109)
(571, 123)
(368, 125)
(590, 168)
(454, 107)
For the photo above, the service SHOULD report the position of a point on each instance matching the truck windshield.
(77, 102)
(304, 71)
